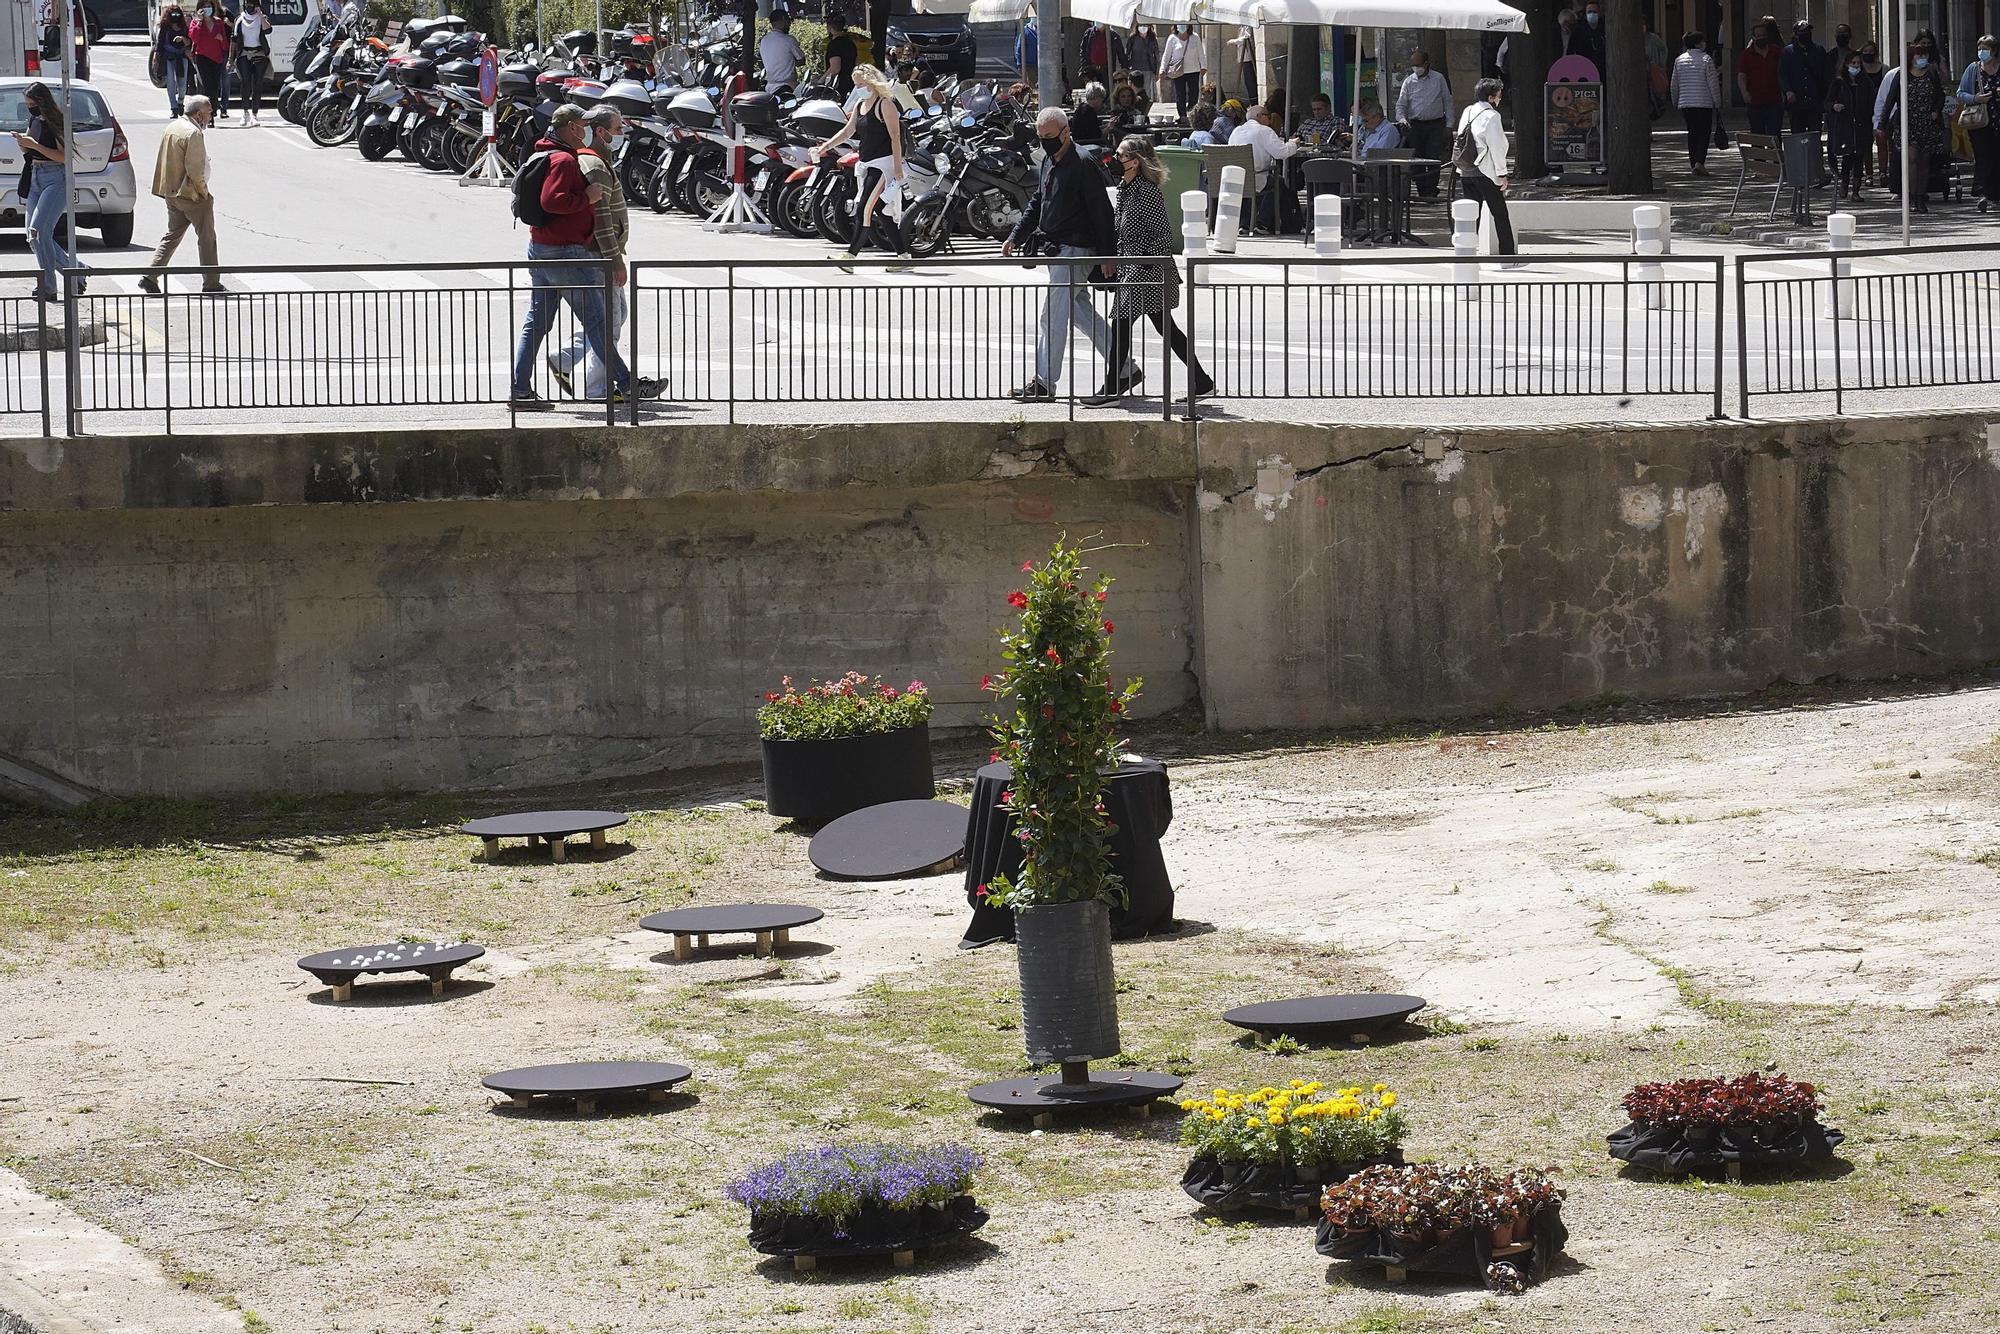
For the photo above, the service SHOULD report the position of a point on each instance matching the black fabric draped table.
(1135, 800)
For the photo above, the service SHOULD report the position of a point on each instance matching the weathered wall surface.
(1348, 578)
(476, 609)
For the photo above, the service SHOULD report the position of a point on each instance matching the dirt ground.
(1805, 882)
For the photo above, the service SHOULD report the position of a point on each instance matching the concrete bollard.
(1194, 222)
(1228, 212)
(1326, 226)
(1840, 238)
(1649, 238)
(1465, 243)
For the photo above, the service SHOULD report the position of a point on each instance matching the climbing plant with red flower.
(1058, 709)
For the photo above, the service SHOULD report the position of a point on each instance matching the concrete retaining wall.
(477, 609)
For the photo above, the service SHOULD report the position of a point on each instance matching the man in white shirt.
(1423, 108)
(1266, 148)
(780, 52)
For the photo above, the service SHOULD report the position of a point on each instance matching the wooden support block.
(1733, 1172)
(763, 942)
(1143, 1110)
(597, 838)
(1264, 1036)
(1303, 1211)
(658, 1095)
(904, 1259)
(1395, 1275)
(437, 985)
(702, 940)
(680, 945)
(519, 1101)
(586, 1106)
(556, 846)
(801, 1262)
(1043, 1120)
(784, 936)
(343, 991)
(1360, 1039)
(492, 848)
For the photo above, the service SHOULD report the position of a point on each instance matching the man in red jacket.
(570, 202)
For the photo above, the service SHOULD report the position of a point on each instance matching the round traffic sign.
(489, 75)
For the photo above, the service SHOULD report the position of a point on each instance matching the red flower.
(994, 758)
(981, 891)
(1118, 706)
(1008, 795)
(915, 686)
(1017, 600)
(1100, 595)
(1053, 656)
(770, 696)
(1107, 627)
(1026, 566)
(986, 682)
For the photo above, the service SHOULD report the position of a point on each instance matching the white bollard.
(1194, 222)
(1649, 238)
(1326, 226)
(1465, 243)
(1228, 211)
(1839, 238)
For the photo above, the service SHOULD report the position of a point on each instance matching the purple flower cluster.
(838, 1180)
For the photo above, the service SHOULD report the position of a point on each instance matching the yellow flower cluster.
(1300, 1101)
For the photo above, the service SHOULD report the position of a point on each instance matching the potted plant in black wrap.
(831, 747)
(1059, 739)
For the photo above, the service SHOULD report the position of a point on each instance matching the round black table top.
(732, 918)
(588, 1077)
(1041, 1093)
(890, 841)
(402, 957)
(1367, 1012)
(543, 824)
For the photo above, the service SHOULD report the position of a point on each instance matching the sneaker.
(1103, 398)
(903, 264)
(1034, 391)
(527, 400)
(215, 291)
(151, 285)
(846, 261)
(254, 120)
(640, 389)
(1202, 388)
(1132, 381)
(560, 376)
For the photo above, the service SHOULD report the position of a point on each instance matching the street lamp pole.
(69, 123)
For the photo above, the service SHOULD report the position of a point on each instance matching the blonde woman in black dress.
(1149, 290)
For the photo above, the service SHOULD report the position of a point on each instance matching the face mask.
(1181, 28)
(1922, 62)
(1853, 69)
(1051, 146)
(1591, 19)
(1985, 53)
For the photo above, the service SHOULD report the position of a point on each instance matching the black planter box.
(814, 782)
(1466, 1254)
(1069, 994)
(872, 1231)
(1280, 1186)
(1680, 1150)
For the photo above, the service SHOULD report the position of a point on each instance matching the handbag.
(1721, 135)
(155, 65)
(1975, 116)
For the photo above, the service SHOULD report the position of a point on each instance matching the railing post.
(167, 347)
(729, 353)
(42, 342)
(1834, 265)
(632, 331)
(1194, 349)
(1194, 222)
(1742, 345)
(1715, 351)
(1840, 238)
(72, 360)
(607, 342)
(1465, 244)
(1228, 211)
(1649, 239)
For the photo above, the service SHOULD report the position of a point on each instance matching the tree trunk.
(1529, 55)
(1628, 122)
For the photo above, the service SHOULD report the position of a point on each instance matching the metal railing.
(332, 345)
(1809, 324)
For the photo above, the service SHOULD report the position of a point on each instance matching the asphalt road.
(795, 339)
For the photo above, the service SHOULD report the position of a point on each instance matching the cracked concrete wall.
(1370, 576)
(463, 644)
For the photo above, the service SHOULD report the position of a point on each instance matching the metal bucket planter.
(814, 782)
(1069, 1002)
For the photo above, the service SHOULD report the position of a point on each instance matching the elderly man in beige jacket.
(180, 179)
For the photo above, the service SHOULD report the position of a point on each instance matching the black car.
(944, 41)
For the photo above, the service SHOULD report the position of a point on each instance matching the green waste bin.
(1183, 174)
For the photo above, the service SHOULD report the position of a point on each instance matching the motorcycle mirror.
(966, 122)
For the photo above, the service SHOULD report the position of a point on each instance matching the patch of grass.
(1600, 864)
(1667, 887)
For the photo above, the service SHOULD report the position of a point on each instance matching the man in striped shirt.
(1423, 108)
(610, 231)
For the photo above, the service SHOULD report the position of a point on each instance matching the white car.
(106, 192)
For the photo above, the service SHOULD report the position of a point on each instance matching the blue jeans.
(45, 211)
(584, 291)
(176, 71)
(1066, 303)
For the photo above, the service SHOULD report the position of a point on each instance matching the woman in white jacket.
(1486, 181)
(1183, 60)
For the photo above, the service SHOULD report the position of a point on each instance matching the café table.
(1392, 176)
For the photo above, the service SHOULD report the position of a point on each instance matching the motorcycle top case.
(628, 97)
(757, 113)
(694, 110)
(415, 73)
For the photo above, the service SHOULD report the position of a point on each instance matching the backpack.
(1465, 148)
(528, 190)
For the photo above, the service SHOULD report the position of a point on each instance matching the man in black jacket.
(1071, 217)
